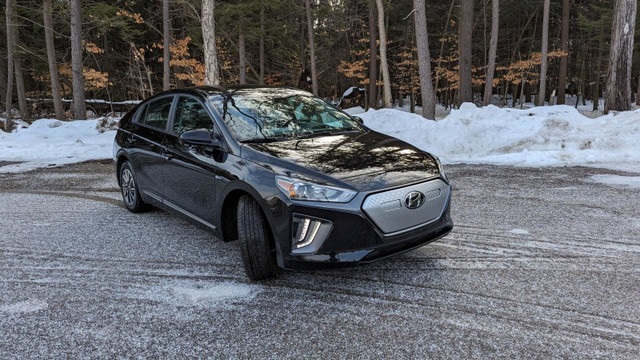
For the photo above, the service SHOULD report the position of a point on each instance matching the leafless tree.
(312, 48)
(79, 107)
(493, 48)
(166, 51)
(545, 49)
(465, 31)
(386, 79)
(564, 60)
(373, 57)
(424, 61)
(242, 63)
(618, 91)
(10, 10)
(211, 76)
(51, 59)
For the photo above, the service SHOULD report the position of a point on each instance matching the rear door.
(147, 134)
(190, 171)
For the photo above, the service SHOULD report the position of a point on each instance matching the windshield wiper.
(326, 132)
(262, 140)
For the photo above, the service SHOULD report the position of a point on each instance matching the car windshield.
(262, 115)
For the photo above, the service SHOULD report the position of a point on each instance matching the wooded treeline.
(425, 51)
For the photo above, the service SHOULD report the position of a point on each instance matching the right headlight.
(303, 190)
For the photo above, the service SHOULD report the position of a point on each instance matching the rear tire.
(129, 189)
(258, 255)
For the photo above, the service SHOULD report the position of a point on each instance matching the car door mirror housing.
(200, 137)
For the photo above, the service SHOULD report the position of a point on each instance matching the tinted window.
(191, 115)
(157, 113)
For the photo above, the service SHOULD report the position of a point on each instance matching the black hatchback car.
(300, 183)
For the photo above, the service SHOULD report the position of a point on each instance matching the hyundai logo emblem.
(414, 200)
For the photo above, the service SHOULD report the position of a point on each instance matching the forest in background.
(120, 47)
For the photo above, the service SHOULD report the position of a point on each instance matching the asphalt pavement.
(542, 263)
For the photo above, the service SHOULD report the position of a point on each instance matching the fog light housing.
(308, 234)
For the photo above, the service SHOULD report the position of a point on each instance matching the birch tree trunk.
(373, 57)
(464, 43)
(386, 80)
(424, 61)
(312, 49)
(545, 50)
(493, 48)
(562, 75)
(211, 76)
(79, 107)
(166, 51)
(10, 9)
(618, 90)
(51, 59)
(242, 63)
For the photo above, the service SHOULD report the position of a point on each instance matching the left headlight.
(303, 190)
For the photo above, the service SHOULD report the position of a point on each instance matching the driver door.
(189, 172)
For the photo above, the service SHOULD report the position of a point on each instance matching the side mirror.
(358, 119)
(200, 137)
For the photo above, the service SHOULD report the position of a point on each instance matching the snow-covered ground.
(538, 136)
(50, 142)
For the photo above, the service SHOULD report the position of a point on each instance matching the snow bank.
(541, 136)
(50, 142)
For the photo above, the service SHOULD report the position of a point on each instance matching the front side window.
(157, 113)
(279, 114)
(191, 115)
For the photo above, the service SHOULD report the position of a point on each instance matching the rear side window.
(191, 115)
(157, 113)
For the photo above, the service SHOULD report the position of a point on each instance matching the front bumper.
(354, 237)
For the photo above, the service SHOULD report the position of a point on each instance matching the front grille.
(391, 214)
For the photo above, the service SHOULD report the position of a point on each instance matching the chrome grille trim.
(388, 212)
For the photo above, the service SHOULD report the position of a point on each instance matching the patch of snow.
(519, 231)
(202, 294)
(27, 306)
(354, 110)
(627, 181)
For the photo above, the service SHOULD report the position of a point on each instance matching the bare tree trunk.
(166, 51)
(424, 61)
(262, 33)
(638, 92)
(312, 49)
(618, 90)
(596, 92)
(373, 57)
(444, 33)
(465, 29)
(386, 80)
(10, 10)
(51, 59)
(242, 63)
(79, 107)
(3, 69)
(562, 76)
(493, 48)
(20, 89)
(211, 75)
(545, 50)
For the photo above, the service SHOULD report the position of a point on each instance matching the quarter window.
(157, 113)
(191, 115)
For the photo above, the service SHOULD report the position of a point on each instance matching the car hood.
(364, 161)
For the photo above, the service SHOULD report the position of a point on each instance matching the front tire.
(129, 189)
(258, 254)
